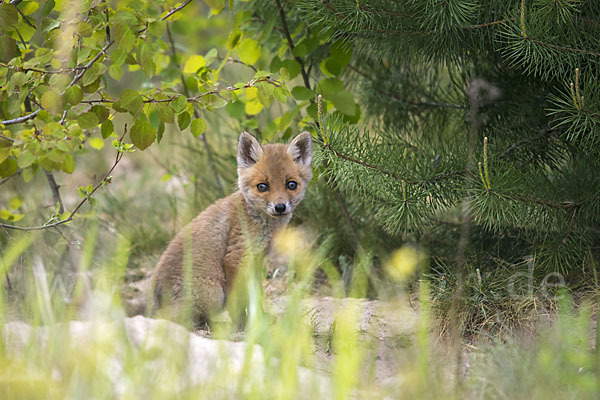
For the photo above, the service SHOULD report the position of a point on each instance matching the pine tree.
(495, 102)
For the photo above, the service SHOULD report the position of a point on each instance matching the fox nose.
(280, 208)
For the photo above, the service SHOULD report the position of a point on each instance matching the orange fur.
(213, 244)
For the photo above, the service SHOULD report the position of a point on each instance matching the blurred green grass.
(108, 356)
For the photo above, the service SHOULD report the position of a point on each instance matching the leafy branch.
(81, 70)
(121, 149)
(197, 98)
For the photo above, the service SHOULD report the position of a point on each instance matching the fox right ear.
(249, 150)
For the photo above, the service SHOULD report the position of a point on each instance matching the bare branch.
(174, 10)
(286, 32)
(232, 60)
(20, 119)
(2, 137)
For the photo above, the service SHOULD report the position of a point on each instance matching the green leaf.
(331, 67)
(52, 102)
(183, 120)
(179, 104)
(300, 50)
(145, 58)
(118, 57)
(198, 127)
(4, 153)
(29, 7)
(234, 39)
(115, 72)
(142, 135)
(8, 48)
(73, 95)
(124, 38)
(193, 64)
(302, 93)
(8, 216)
(281, 94)
(102, 113)
(107, 128)
(8, 15)
(29, 173)
(292, 67)
(236, 109)
(25, 159)
(96, 143)
(92, 74)
(253, 107)
(68, 164)
(8, 167)
(131, 101)
(56, 156)
(85, 29)
(165, 113)
(333, 90)
(249, 51)
(53, 129)
(88, 120)
(15, 203)
(160, 131)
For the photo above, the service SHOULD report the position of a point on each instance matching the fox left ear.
(300, 148)
(249, 150)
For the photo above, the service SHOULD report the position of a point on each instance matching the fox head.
(274, 177)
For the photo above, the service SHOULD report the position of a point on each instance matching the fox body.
(209, 252)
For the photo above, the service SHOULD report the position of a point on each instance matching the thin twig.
(233, 60)
(55, 191)
(174, 10)
(197, 98)
(27, 21)
(291, 43)
(19, 120)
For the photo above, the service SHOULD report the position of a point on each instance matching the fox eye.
(262, 187)
(291, 185)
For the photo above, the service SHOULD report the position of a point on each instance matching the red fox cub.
(272, 180)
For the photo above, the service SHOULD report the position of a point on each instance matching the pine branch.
(396, 96)
(437, 178)
(562, 48)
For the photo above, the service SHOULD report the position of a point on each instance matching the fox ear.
(300, 148)
(249, 150)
